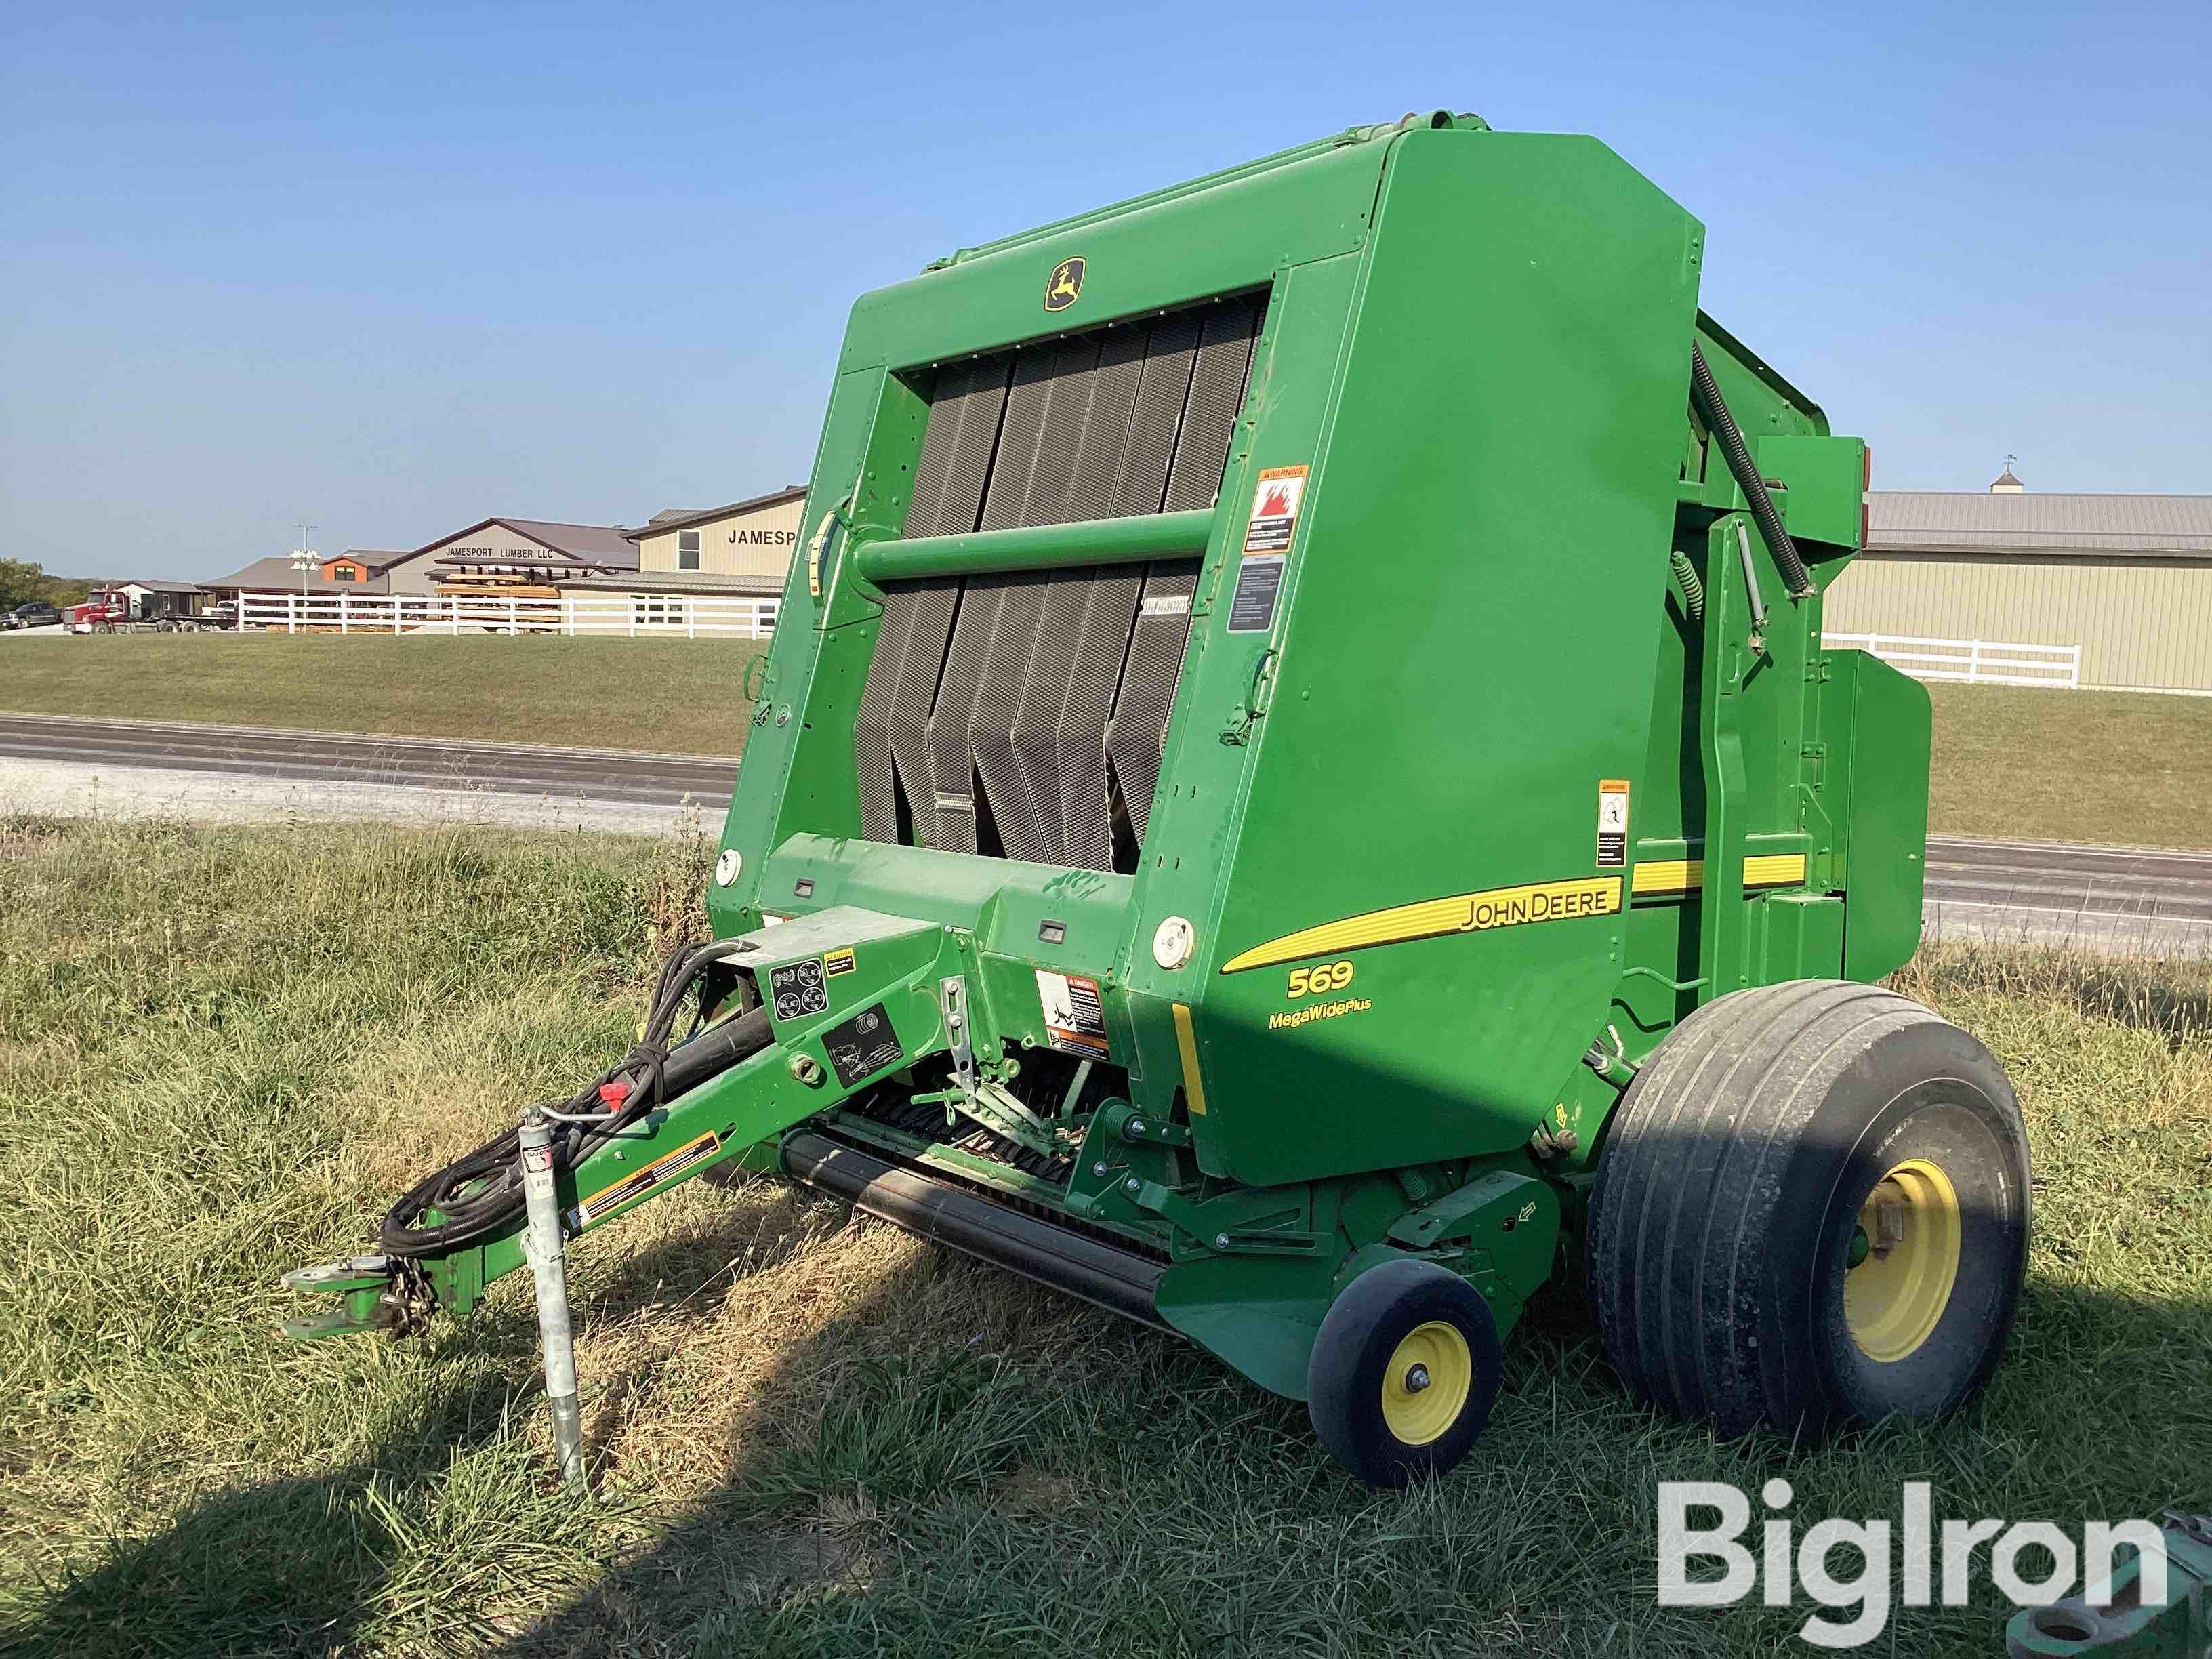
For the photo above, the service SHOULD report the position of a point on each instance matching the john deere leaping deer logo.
(1066, 283)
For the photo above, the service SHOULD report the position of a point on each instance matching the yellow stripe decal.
(1464, 912)
(1680, 875)
(1193, 1091)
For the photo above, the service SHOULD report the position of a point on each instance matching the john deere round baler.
(1298, 794)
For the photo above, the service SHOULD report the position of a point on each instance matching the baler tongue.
(844, 996)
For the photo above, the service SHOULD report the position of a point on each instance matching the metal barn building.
(2125, 579)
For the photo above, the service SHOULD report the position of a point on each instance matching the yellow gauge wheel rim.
(1425, 1385)
(1894, 1298)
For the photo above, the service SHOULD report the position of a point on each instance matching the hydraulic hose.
(1746, 473)
(480, 1193)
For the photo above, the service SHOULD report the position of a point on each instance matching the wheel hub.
(1900, 1282)
(1426, 1382)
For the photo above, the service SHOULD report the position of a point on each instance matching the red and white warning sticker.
(1074, 1018)
(1274, 509)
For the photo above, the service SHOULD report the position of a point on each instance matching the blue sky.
(392, 269)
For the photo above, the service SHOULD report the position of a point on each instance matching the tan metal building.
(750, 539)
(2127, 578)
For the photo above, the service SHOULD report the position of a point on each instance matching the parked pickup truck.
(36, 613)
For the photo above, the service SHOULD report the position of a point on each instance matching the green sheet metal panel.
(1467, 642)
(1886, 832)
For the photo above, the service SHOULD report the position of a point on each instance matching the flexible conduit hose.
(1693, 588)
(1763, 513)
(481, 1192)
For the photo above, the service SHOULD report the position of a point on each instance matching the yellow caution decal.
(1193, 1087)
(1681, 875)
(1463, 913)
(657, 1173)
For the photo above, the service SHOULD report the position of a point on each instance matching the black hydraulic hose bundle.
(1794, 576)
(479, 1193)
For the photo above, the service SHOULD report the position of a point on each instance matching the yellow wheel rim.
(1894, 1298)
(1425, 1385)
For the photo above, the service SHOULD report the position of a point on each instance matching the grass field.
(2014, 763)
(2021, 764)
(815, 1434)
(679, 696)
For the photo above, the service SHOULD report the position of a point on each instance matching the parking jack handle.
(543, 1243)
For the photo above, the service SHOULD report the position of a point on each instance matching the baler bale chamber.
(1298, 794)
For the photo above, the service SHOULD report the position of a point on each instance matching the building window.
(687, 549)
(344, 573)
(656, 611)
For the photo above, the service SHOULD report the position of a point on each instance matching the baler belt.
(952, 762)
(956, 448)
(1139, 724)
(1217, 393)
(1033, 687)
(1096, 650)
(1007, 658)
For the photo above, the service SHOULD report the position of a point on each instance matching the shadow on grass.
(286, 1566)
(1144, 1500)
(2172, 1000)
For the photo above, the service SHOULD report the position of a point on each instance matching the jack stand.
(543, 1245)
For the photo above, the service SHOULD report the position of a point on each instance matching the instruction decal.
(862, 1046)
(1267, 536)
(798, 990)
(658, 1173)
(1075, 1017)
(1259, 583)
(1612, 822)
(840, 962)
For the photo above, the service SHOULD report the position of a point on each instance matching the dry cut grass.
(221, 1051)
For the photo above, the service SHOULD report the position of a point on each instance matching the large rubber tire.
(1409, 1312)
(1728, 1206)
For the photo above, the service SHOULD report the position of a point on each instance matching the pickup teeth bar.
(1005, 714)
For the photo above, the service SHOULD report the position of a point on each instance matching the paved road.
(326, 756)
(2102, 897)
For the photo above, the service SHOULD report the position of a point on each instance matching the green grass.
(2022, 763)
(678, 696)
(817, 1436)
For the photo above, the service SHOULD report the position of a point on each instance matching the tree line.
(21, 581)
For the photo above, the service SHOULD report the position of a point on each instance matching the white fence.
(1988, 662)
(690, 616)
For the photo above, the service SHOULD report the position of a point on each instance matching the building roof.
(152, 586)
(376, 558)
(669, 514)
(606, 545)
(277, 576)
(661, 523)
(676, 581)
(1946, 521)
